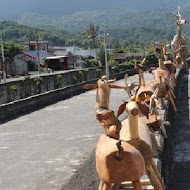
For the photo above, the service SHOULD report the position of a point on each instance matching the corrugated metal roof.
(56, 57)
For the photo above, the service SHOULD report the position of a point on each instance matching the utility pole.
(38, 55)
(3, 60)
(106, 56)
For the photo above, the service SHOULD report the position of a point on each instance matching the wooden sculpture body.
(172, 70)
(109, 169)
(113, 171)
(103, 94)
(169, 65)
(180, 46)
(136, 133)
(162, 75)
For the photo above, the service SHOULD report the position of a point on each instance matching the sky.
(53, 7)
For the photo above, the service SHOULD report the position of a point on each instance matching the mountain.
(127, 21)
(10, 8)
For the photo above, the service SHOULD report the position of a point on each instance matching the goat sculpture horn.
(90, 86)
(121, 109)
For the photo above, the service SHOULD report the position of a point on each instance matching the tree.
(91, 34)
(11, 49)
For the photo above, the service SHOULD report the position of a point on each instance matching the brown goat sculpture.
(169, 66)
(136, 133)
(179, 44)
(162, 77)
(104, 115)
(115, 161)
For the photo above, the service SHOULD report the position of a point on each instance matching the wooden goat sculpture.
(179, 43)
(161, 77)
(169, 66)
(104, 115)
(116, 161)
(136, 133)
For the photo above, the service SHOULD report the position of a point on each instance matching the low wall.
(167, 151)
(30, 96)
(23, 88)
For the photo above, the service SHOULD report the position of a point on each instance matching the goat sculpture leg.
(171, 100)
(137, 185)
(158, 174)
(101, 184)
(155, 181)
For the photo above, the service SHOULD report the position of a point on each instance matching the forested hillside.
(128, 22)
(10, 30)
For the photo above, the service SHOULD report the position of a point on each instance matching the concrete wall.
(22, 96)
(20, 66)
(27, 87)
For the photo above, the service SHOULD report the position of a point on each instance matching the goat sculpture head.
(134, 108)
(109, 122)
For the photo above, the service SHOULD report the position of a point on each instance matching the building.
(122, 57)
(36, 45)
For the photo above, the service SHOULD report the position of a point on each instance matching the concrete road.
(41, 150)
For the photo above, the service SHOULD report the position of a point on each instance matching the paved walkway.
(180, 170)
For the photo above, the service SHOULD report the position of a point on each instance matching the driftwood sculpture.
(179, 43)
(116, 162)
(162, 78)
(144, 91)
(169, 66)
(104, 115)
(136, 133)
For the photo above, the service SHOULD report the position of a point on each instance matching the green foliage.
(93, 63)
(13, 88)
(11, 49)
(126, 26)
(98, 73)
(38, 80)
(59, 81)
(151, 59)
(116, 68)
(12, 31)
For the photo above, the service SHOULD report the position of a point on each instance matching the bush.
(13, 88)
(98, 73)
(115, 68)
(59, 81)
(38, 80)
(151, 59)
(93, 63)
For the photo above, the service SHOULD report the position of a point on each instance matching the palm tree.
(91, 34)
